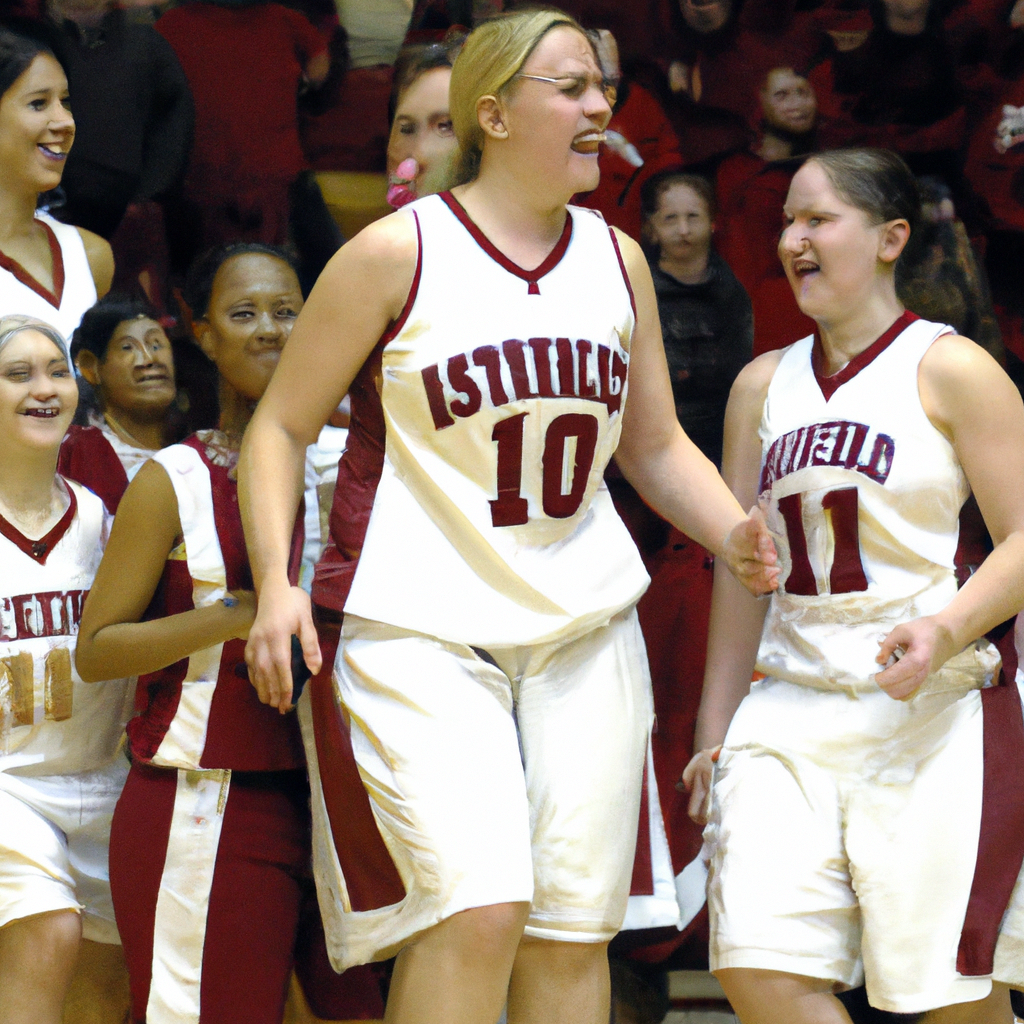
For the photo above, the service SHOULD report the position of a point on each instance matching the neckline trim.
(532, 277)
(55, 297)
(39, 550)
(831, 384)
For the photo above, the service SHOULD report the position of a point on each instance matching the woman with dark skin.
(47, 270)
(124, 354)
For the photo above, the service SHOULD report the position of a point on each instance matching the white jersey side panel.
(503, 403)
(862, 496)
(51, 723)
(79, 292)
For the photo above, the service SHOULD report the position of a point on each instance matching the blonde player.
(60, 766)
(491, 675)
(864, 819)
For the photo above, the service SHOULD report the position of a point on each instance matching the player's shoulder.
(754, 379)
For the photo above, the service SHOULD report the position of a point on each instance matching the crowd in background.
(200, 124)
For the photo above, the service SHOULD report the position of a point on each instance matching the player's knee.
(490, 931)
(743, 985)
(43, 941)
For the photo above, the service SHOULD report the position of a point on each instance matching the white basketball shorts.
(500, 776)
(54, 835)
(844, 835)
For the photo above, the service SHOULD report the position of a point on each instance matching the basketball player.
(859, 830)
(60, 770)
(210, 842)
(124, 354)
(491, 671)
(47, 269)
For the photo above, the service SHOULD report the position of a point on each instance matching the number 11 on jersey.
(840, 509)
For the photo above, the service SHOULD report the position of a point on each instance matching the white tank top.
(73, 288)
(502, 392)
(51, 723)
(862, 495)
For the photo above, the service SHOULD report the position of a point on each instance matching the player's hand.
(749, 551)
(281, 611)
(910, 653)
(697, 780)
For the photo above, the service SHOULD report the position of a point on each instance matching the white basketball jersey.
(502, 392)
(862, 496)
(73, 288)
(51, 723)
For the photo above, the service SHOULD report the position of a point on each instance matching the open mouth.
(804, 268)
(152, 378)
(588, 143)
(52, 152)
(47, 413)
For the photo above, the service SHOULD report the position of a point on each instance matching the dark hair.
(199, 285)
(100, 321)
(876, 181)
(18, 50)
(419, 58)
(658, 184)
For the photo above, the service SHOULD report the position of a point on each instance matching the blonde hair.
(11, 326)
(492, 56)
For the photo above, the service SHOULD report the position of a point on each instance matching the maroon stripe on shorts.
(370, 874)
(1001, 843)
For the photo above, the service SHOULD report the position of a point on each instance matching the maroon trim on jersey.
(831, 384)
(642, 883)
(241, 733)
(622, 267)
(371, 878)
(532, 277)
(87, 457)
(1001, 842)
(20, 273)
(396, 325)
(39, 550)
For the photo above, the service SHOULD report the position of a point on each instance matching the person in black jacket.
(133, 109)
(706, 317)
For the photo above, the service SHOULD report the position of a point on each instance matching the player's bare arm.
(112, 641)
(361, 291)
(736, 616)
(969, 399)
(668, 470)
(101, 260)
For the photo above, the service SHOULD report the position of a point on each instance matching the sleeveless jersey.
(202, 712)
(73, 288)
(97, 457)
(502, 393)
(862, 495)
(51, 723)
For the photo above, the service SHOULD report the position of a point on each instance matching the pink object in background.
(401, 189)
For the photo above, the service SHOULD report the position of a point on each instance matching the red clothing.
(748, 237)
(87, 457)
(642, 123)
(244, 65)
(998, 177)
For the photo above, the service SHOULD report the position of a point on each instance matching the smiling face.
(555, 128)
(832, 253)
(788, 101)
(36, 126)
(38, 393)
(681, 227)
(136, 376)
(422, 130)
(253, 305)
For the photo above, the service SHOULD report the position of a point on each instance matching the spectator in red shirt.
(247, 179)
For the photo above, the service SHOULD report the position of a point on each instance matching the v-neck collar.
(831, 384)
(532, 277)
(55, 297)
(39, 550)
